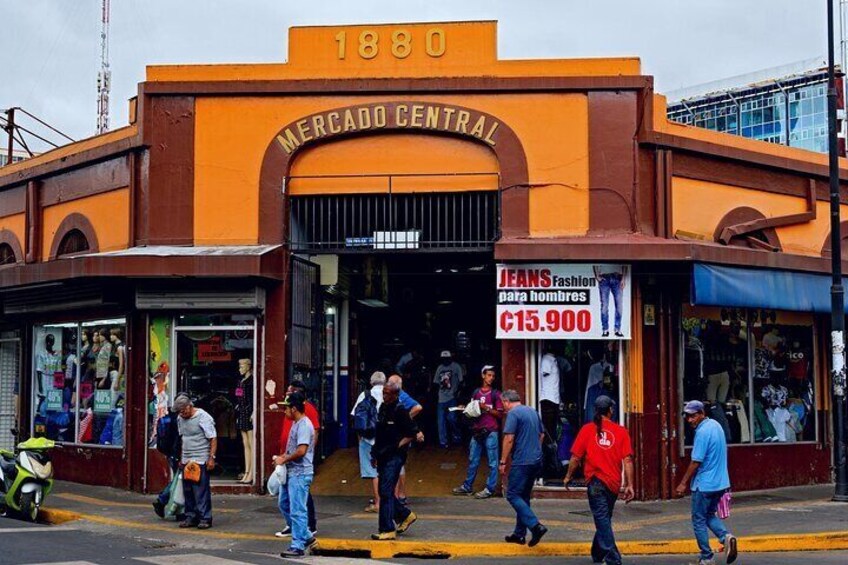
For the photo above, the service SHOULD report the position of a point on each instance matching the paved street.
(28, 544)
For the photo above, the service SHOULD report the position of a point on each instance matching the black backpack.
(168, 435)
(365, 417)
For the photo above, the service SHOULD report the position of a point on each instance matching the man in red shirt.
(603, 447)
(315, 417)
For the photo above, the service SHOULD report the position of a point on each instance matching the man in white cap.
(710, 480)
(448, 379)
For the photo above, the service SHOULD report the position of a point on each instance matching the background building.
(17, 155)
(785, 105)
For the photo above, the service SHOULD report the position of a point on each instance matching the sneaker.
(292, 552)
(204, 525)
(284, 533)
(512, 538)
(462, 491)
(483, 494)
(411, 519)
(188, 524)
(619, 334)
(159, 508)
(384, 536)
(313, 533)
(372, 508)
(537, 532)
(605, 334)
(312, 542)
(730, 548)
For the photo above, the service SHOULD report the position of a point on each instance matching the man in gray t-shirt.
(293, 496)
(199, 444)
(448, 379)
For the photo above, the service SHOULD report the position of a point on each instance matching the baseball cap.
(487, 368)
(445, 354)
(604, 402)
(693, 407)
(296, 399)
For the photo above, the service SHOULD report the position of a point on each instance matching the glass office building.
(791, 110)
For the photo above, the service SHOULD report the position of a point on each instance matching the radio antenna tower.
(104, 77)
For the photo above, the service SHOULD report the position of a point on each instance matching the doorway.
(10, 366)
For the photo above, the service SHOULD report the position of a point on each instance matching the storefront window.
(571, 374)
(783, 378)
(753, 370)
(79, 382)
(215, 368)
(159, 372)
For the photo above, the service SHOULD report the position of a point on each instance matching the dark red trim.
(342, 86)
(105, 151)
(515, 204)
(741, 221)
(88, 181)
(267, 266)
(9, 237)
(74, 221)
(32, 223)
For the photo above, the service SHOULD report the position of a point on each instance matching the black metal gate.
(306, 359)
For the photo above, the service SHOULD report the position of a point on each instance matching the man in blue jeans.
(294, 494)
(395, 431)
(710, 480)
(448, 380)
(605, 450)
(523, 441)
(484, 437)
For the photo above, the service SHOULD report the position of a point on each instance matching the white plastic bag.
(277, 480)
(472, 409)
(178, 492)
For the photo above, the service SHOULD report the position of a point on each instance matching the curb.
(818, 541)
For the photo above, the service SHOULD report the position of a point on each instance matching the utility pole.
(837, 292)
(10, 124)
(104, 77)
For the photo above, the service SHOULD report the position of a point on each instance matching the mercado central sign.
(390, 116)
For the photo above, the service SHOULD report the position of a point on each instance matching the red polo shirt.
(310, 412)
(605, 454)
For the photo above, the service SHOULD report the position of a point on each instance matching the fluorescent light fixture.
(444, 302)
(373, 303)
(454, 270)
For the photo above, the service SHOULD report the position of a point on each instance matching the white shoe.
(284, 533)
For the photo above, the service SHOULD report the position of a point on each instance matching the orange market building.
(395, 188)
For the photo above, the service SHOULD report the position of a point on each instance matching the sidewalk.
(791, 519)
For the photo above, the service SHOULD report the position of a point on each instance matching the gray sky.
(51, 48)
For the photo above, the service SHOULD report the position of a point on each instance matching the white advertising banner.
(557, 301)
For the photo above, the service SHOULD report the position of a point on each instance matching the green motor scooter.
(26, 477)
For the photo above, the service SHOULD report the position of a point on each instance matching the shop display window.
(79, 382)
(571, 374)
(215, 368)
(753, 370)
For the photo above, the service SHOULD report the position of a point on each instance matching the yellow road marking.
(101, 502)
(821, 541)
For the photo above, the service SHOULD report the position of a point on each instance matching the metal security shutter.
(52, 297)
(10, 365)
(149, 299)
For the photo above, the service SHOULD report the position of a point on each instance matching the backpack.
(167, 435)
(365, 417)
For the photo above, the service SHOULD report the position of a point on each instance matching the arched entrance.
(392, 232)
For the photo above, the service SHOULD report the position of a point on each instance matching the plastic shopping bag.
(176, 501)
(723, 510)
(277, 480)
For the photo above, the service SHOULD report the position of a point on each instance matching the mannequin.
(118, 363)
(244, 416)
(101, 362)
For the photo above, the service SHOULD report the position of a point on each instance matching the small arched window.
(7, 254)
(73, 242)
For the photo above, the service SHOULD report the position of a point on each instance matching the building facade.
(391, 192)
(785, 105)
